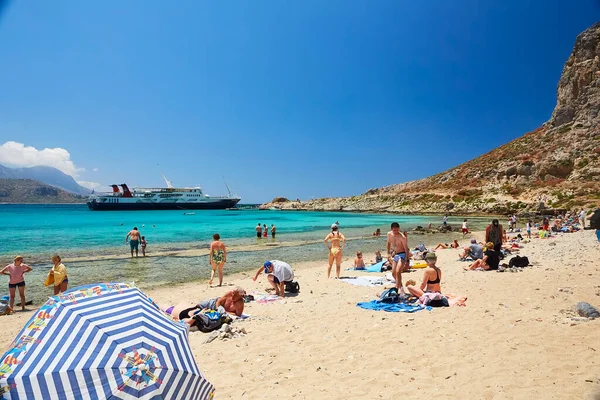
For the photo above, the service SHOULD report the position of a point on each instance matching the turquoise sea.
(92, 244)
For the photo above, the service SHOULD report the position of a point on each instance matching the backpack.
(208, 322)
(4, 308)
(518, 261)
(390, 296)
(595, 220)
(443, 302)
(292, 287)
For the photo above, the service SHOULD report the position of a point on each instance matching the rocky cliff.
(28, 191)
(557, 166)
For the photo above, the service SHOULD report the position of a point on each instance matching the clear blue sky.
(294, 98)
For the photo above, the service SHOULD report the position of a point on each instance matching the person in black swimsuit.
(431, 278)
(490, 260)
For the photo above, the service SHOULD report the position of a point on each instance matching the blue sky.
(293, 98)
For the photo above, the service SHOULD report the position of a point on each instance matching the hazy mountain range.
(46, 175)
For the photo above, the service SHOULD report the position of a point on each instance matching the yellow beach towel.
(59, 275)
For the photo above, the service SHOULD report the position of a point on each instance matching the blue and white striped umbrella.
(98, 342)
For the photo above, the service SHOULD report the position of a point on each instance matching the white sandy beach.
(515, 339)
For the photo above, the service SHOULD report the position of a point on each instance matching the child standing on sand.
(16, 271)
(529, 226)
(143, 243)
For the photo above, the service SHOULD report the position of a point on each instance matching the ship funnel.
(126, 192)
(115, 188)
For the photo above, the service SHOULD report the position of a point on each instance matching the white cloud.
(14, 154)
(99, 187)
(95, 169)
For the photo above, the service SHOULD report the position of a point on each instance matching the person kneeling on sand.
(475, 251)
(232, 302)
(490, 260)
(431, 278)
(453, 245)
(279, 273)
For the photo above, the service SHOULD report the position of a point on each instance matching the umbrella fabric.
(102, 341)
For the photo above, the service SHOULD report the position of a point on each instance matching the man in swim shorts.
(134, 240)
(397, 248)
(258, 230)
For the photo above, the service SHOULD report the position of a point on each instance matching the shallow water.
(92, 244)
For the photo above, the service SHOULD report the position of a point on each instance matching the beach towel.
(455, 300)
(366, 280)
(266, 298)
(375, 267)
(393, 307)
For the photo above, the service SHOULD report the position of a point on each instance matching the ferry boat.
(169, 198)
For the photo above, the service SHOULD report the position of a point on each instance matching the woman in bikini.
(338, 241)
(431, 278)
(217, 258)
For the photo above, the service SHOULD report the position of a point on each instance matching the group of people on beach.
(57, 277)
(135, 241)
(485, 255)
(263, 231)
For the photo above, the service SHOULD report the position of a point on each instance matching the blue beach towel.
(395, 307)
(375, 267)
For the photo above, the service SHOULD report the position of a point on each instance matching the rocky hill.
(33, 192)
(557, 166)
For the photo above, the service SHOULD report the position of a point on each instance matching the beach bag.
(208, 322)
(595, 220)
(292, 287)
(390, 296)
(4, 307)
(443, 302)
(518, 261)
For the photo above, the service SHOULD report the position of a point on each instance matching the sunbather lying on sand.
(232, 302)
(453, 245)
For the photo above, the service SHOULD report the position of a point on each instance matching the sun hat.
(431, 256)
(334, 226)
(267, 265)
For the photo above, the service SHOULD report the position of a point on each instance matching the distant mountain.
(48, 175)
(557, 166)
(29, 191)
